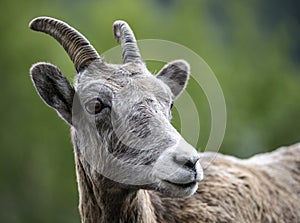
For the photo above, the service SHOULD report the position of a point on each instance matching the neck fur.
(102, 200)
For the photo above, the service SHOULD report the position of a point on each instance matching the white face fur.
(129, 138)
(120, 114)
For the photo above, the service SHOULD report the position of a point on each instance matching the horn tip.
(32, 24)
(117, 29)
(36, 22)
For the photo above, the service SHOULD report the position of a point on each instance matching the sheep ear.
(54, 89)
(175, 74)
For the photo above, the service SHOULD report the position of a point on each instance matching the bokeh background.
(252, 46)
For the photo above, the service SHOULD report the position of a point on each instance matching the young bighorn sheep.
(132, 165)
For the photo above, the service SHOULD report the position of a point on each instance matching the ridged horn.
(81, 52)
(130, 50)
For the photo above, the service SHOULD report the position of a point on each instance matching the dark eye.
(171, 106)
(94, 106)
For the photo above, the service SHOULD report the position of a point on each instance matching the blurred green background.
(252, 46)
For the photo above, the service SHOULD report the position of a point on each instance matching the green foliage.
(252, 58)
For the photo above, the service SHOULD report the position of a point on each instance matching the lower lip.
(187, 185)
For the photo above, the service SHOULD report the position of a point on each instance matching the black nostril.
(191, 163)
(187, 161)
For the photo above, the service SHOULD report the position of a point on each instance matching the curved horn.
(76, 45)
(130, 50)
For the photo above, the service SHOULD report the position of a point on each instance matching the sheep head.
(120, 113)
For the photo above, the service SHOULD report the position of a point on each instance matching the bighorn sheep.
(132, 165)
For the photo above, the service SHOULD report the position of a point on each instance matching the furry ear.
(175, 74)
(54, 89)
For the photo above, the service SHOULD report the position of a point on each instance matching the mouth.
(184, 185)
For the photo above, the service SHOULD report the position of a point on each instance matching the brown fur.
(265, 188)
